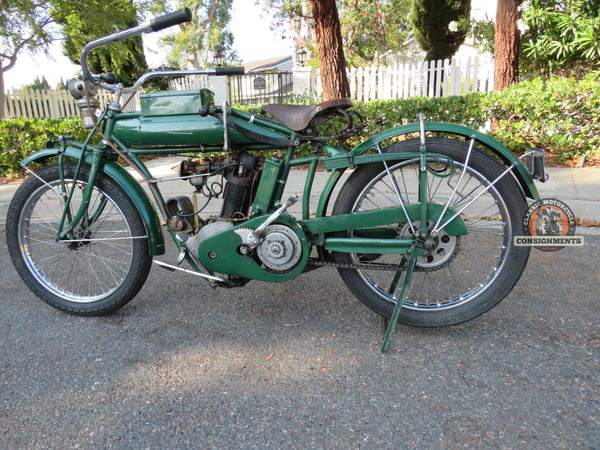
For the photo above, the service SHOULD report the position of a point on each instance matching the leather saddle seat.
(299, 117)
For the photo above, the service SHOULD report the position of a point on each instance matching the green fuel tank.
(171, 119)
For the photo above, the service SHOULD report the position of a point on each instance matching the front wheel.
(463, 276)
(102, 263)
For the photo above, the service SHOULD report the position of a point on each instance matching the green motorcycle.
(421, 230)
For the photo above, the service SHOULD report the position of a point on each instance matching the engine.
(275, 247)
(240, 187)
(241, 180)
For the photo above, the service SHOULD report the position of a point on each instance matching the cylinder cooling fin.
(240, 187)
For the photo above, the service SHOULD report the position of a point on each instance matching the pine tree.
(430, 20)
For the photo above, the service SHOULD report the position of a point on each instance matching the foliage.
(197, 41)
(380, 115)
(21, 137)
(483, 32)
(562, 36)
(561, 116)
(24, 25)
(369, 29)
(86, 20)
(38, 84)
(430, 20)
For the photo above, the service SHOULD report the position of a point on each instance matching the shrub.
(561, 116)
(558, 115)
(21, 137)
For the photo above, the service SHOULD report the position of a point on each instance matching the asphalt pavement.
(298, 365)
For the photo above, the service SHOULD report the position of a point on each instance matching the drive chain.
(371, 266)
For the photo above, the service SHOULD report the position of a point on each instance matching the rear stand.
(387, 327)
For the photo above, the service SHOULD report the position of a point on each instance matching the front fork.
(69, 221)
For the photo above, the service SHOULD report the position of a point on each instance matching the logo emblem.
(549, 225)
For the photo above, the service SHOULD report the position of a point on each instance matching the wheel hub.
(442, 249)
(81, 237)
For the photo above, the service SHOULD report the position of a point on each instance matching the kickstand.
(387, 327)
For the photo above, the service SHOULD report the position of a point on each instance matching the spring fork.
(86, 196)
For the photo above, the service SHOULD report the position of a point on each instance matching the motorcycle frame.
(102, 158)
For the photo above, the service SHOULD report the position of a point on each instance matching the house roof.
(266, 64)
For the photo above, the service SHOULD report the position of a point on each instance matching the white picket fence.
(52, 103)
(429, 79)
(189, 82)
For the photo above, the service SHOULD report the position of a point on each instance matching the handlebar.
(238, 70)
(159, 23)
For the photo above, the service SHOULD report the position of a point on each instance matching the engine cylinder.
(236, 199)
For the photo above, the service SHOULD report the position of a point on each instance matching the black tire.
(105, 263)
(465, 276)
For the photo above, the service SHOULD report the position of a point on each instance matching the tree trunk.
(332, 61)
(506, 44)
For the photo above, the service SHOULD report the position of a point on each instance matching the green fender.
(339, 159)
(131, 187)
(507, 157)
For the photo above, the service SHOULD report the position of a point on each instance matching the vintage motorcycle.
(421, 231)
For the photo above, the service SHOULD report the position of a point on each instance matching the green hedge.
(559, 115)
(379, 115)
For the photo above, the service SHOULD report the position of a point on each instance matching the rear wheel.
(464, 276)
(100, 266)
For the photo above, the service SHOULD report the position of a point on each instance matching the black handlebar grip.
(168, 20)
(238, 70)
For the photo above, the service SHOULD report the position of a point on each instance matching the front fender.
(131, 187)
(507, 157)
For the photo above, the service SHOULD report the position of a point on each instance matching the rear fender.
(508, 158)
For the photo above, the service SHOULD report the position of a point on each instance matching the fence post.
(28, 109)
(352, 81)
(383, 83)
(467, 83)
(8, 104)
(373, 83)
(303, 82)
